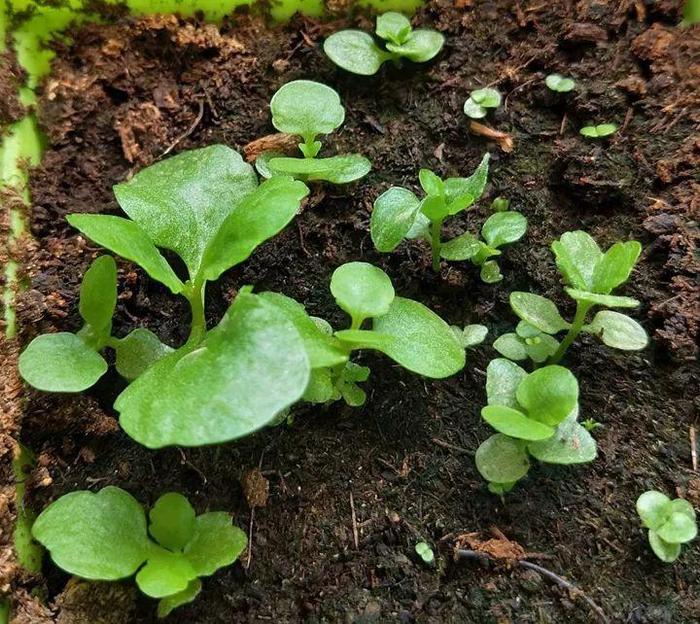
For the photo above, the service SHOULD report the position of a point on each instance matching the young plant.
(357, 52)
(599, 131)
(479, 101)
(309, 109)
(207, 208)
(405, 330)
(590, 277)
(536, 415)
(559, 83)
(105, 536)
(670, 523)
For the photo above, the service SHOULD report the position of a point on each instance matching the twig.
(355, 535)
(450, 447)
(693, 448)
(190, 130)
(250, 538)
(563, 124)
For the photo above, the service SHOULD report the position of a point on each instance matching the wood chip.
(504, 140)
(278, 142)
(256, 488)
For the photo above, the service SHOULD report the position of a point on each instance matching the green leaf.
(461, 193)
(98, 536)
(434, 208)
(682, 506)
(486, 97)
(425, 552)
(172, 521)
(618, 331)
(515, 424)
(393, 216)
(355, 51)
(126, 239)
(691, 13)
(678, 529)
(98, 297)
(539, 311)
(558, 83)
(423, 343)
(61, 362)
(502, 380)
(654, 508)
(336, 169)
(599, 131)
(473, 335)
(137, 351)
(168, 604)
(431, 183)
(320, 388)
(364, 339)
(510, 346)
(501, 459)
(352, 394)
(248, 369)
(490, 272)
(165, 573)
(181, 202)
(216, 543)
(420, 228)
(261, 215)
(577, 255)
(503, 228)
(306, 108)
(474, 110)
(570, 444)
(323, 350)
(609, 301)
(615, 266)
(463, 247)
(525, 330)
(262, 163)
(668, 553)
(540, 348)
(548, 394)
(422, 45)
(362, 290)
(393, 26)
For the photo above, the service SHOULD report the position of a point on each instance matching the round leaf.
(682, 506)
(362, 290)
(98, 536)
(422, 45)
(169, 603)
(501, 459)
(98, 295)
(137, 351)
(61, 362)
(393, 26)
(336, 169)
(654, 508)
(548, 394)
(609, 301)
(165, 573)
(502, 380)
(474, 110)
(486, 97)
(539, 311)
(515, 424)
(510, 346)
(172, 521)
(668, 553)
(503, 228)
(393, 216)
(540, 348)
(490, 272)
(463, 247)
(216, 543)
(599, 131)
(306, 108)
(577, 255)
(473, 335)
(570, 444)
(678, 529)
(618, 331)
(557, 82)
(355, 51)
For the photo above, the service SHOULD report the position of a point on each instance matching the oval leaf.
(501, 459)
(609, 301)
(570, 444)
(393, 26)
(668, 553)
(599, 131)
(215, 543)
(615, 266)
(306, 108)
(165, 573)
(393, 216)
(548, 394)
(539, 311)
(169, 603)
(486, 97)
(678, 529)
(558, 83)
(355, 51)
(98, 296)
(61, 362)
(577, 255)
(460, 193)
(515, 424)
(502, 380)
(172, 521)
(618, 331)
(463, 247)
(510, 346)
(362, 290)
(422, 45)
(490, 272)
(474, 110)
(503, 228)
(336, 169)
(137, 351)
(654, 508)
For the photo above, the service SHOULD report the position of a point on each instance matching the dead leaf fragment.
(256, 488)
(504, 140)
(278, 142)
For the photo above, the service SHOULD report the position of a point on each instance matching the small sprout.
(559, 83)
(357, 52)
(599, 131)
(500, 204)
(477, 104)
(309, 109)
(105, 537)
(591, 424)
(425, 552)
(671, 523)
(472, 335)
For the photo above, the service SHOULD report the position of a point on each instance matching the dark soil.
(121, 95)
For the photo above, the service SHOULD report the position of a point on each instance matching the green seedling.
(356, 51)
(105, 536)
(670, 523)
(559, 83)
(691, 13)
(590, 277)
(591, 424)
(205, 206)
(425, 552)
(500, 204)
(308, 109)
(405, 330)
(599, 131)
(536, 415)
(479, 102)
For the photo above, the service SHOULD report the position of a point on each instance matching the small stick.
(693, 448)
(190, 130)
(355, 535)
(563, 124)
(250, 538)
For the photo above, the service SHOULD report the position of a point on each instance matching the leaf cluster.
(671, 523)
(479, 102)
(598, 131)
(105, 536)
(309, 109)
(356, 51)
(559, 83)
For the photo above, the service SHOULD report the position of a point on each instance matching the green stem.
(435, 243)
(199, 324)
(575, 329)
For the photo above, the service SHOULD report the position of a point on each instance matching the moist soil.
(351, 491)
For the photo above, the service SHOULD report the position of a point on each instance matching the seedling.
(477, 104)
(309, 109)
(691, 13)
(104, 536)
(670, 523)
(559, 83)
(536, 416)
(403, 329)
(206, 207)
(599, 131)
(425, 552)
(356, 51)
(590, 277)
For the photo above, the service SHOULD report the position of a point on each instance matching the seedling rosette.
(671, 523)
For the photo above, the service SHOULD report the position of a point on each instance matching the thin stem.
(575, 329)
(356, 322)
(199, 324)
(435, 243)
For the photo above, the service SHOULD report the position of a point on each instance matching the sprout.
(599, 131)
(559, 83)
(477, 104)
(425, 552)
(671, 523)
